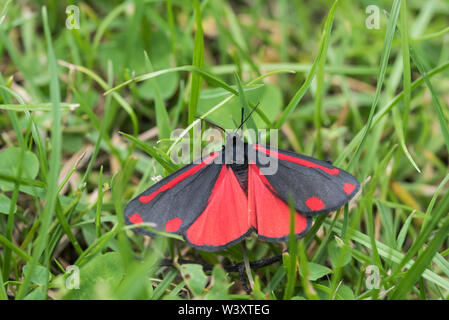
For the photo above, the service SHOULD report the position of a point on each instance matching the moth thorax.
(234, 150)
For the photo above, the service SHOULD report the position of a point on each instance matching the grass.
(86, 117)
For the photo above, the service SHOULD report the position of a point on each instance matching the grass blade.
(305, 86)
(55, 159)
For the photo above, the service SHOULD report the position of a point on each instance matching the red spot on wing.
(136, 218)
(315, 203)
(269, 214)
(348, 188)
(305, 163)
(226, 215)
(173, 225)
(182, 176)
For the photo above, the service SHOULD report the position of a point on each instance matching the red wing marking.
(173, 225)
(348, 188)
(182, 176)
(226, 215)
(136, 218)
(268, 213)
(305, 163)
(315, 203)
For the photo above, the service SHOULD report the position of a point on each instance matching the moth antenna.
(211, 123)
(242, 121)
(247, 117)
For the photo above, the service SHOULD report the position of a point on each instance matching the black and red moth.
(215, 204)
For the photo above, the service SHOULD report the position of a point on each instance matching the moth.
(220, 200)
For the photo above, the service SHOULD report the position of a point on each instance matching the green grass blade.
(418, 267)
(198, 61)
(55, 160)
(389, 35)
(305, 86)
(162, 120)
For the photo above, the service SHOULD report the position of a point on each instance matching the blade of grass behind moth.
(398, 126)
(55, 159)
(210, 78)
(132, 30)
(167, 165)
(434, 198)
(106, 21)
(36, 107)
(165, 283)
(389, 35)
(3, 294)
(406, 66)
(291, 274)
(36, 135)
(403, 232)
(424, 259)
(102, 131)
(232, 32)
(162, 120)
(305, 86)
(19, 61)
(188, 68)
(11, 214)
(319, 255)
(118, 189)
(387, 253)
(96, 246)
(171, 28)
(349, 230)
(244, 103)
(12, 115)
(318, 101)
(99, 204)
(384, 111)
(134, 282)
(310, 292)
(198, 61)
(219, 105)
(66, 227)
(121, 101)
(436, 103)
(18, 251)
(195, 84)
(368, 203)
(433, 35)
(4, 11)
(423, 235)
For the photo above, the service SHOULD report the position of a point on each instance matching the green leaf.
(344, 292)
(5, 204)
(257, 290)
(316, 271)
(39, 275)
(267, 95)
(36, 294)
(219, 286)
(98, 277)
(334, 252)
(194, 277)
(9, 159)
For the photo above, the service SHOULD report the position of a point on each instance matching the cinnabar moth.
(214, 206)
